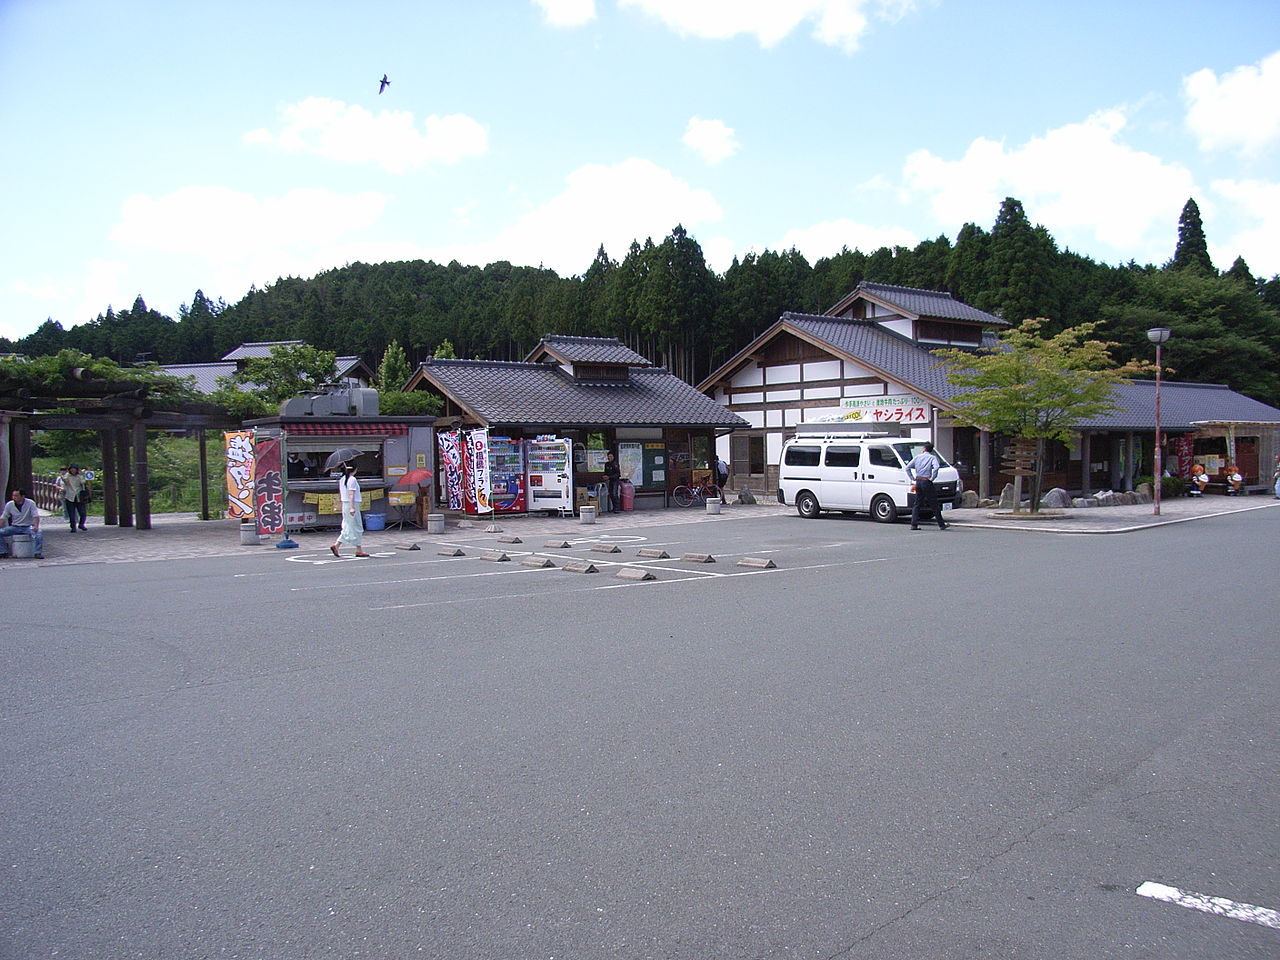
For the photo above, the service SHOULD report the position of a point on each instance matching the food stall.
(298, 447)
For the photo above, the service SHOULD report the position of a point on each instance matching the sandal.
(334, 551)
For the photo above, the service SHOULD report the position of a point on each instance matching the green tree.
(1240, 273)
(394, 370)
(1192, 252)
(269, 381)
(1020, 269)
(1035, 388)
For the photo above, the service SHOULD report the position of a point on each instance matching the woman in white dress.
(349, 502)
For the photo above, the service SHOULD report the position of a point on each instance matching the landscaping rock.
(1056, 499)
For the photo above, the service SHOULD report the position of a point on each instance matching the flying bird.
(383, 85)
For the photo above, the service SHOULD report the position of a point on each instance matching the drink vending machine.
(550, 473)
(507, 475)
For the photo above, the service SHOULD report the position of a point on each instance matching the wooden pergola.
(121, 413)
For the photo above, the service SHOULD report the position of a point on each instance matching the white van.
(856, 473)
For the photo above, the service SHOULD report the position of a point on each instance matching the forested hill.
(665, 302)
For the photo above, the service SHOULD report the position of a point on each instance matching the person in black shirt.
(613, 477)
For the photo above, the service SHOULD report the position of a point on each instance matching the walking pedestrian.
(75, 497)
(923, 469)
(349, 503)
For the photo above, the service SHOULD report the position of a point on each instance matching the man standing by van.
(923, 469)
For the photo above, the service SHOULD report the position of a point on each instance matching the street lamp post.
(1158, 336)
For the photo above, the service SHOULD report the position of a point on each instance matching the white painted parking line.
(1219, 906)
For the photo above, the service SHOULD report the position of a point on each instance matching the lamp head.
(1158, 334)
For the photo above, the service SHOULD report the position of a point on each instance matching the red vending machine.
(507, 475)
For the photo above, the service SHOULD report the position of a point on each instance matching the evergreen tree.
(1192, 252)
(1240, 273)
(1020, 270)
(393, 371)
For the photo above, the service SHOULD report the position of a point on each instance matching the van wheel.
(807, 505)
(883, 509)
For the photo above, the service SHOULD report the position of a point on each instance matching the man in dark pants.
(923, 469)
(613, 477)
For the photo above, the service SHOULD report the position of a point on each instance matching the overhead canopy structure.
(121, 412)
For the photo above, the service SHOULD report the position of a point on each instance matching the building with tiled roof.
(595, 391)
(871, 360)
(350, 371)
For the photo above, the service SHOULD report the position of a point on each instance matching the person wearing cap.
(75, 496)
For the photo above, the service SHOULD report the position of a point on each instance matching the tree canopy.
(663, 300)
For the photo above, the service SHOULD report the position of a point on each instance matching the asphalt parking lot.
(977, 742)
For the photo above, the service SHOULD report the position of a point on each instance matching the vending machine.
(507, 475)
(550, 473)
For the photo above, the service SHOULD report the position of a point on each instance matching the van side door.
(841, 482)
(883, 472)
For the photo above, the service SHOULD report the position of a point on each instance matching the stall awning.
(326, 429)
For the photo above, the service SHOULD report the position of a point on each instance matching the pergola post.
(110, 482)
(984, 464)
(1086, 460)
(141, 479)
(124, 474)
(204, 475)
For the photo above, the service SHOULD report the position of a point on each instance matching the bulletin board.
(654, 473)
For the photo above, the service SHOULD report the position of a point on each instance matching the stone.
(970, 499)
(1006, 497)
(746, 496)
(1056, 499)
(1144, 489)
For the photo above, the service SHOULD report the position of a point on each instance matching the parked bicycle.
(685, 495)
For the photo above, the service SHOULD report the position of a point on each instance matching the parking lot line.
(1219, 906)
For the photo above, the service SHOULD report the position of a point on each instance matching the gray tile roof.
(900, 357)
(248, 351)
(914, 302)
(1181, 404)
(503, 392)
(206, 374)
(587, 350)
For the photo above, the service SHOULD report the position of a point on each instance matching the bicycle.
(685, 495)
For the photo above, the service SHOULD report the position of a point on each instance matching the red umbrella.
(415, 478)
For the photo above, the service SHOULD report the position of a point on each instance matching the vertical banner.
(476, 461)
(451, 461)
(239, 447)
(1186, 447)
(268, 486)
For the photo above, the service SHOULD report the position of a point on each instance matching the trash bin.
(21, 546)
(627, 495)
(713, 504)
(375, 521)
(587, 515)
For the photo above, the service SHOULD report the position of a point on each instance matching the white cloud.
(567, 13)
(1238, 111)
(222, 241)
(612, 205)
(712, 140)
(391, 139)
(1078, 179)
(837, 23)
(1258, 203)
(826, 239)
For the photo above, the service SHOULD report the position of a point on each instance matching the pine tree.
(1240, 273)
(1192, 252)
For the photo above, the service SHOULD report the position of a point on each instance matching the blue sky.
(156, 148)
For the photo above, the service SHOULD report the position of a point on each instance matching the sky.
(152, 149)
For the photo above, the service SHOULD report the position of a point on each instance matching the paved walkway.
(176, 536)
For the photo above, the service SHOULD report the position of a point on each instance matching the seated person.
(20, 515)
(1199, 480)
(1235, 482)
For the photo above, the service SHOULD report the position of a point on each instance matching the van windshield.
(908, 449)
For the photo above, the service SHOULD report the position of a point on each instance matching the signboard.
(451, 461)
(476, 471)
(907, 408)
(239, 448)
(631, 462)
(268, 486)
